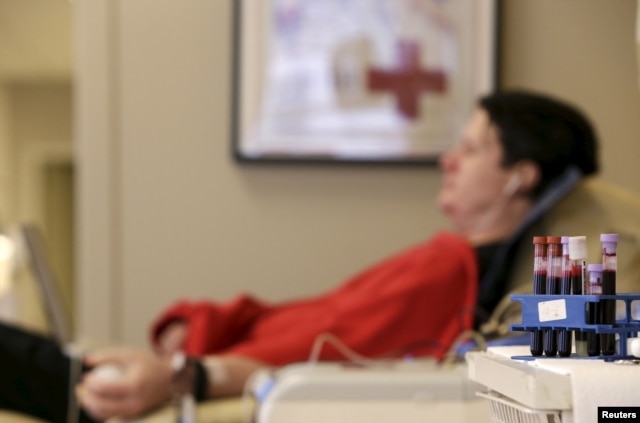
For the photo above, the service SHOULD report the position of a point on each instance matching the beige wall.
(583, 50)
(35, 141)
(164, 213)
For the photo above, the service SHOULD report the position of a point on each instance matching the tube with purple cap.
(608, 308)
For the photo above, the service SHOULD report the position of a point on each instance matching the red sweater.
(415, 302)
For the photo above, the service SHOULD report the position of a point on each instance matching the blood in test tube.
(608, 308)
(564, 335)
(554, 279)
(539, 286)
(593, 309)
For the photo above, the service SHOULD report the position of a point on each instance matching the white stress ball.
(107, 372)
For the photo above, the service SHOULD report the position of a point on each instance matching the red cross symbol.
(407, 81)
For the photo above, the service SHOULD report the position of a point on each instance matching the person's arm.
(227, 375)
(148, 382)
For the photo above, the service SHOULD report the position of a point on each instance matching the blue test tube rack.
(568, 312)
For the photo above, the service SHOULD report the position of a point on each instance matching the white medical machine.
(575, 389)
(407, 391)
(554, 390)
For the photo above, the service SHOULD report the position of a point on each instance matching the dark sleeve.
(35, 375)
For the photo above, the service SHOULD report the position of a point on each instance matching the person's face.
(473, 178)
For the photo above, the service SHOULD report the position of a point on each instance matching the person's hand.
(171, 339)
(143, 385)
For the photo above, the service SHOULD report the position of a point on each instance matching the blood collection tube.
(539, 286)
(564, 335)
(593, 314)
(608, 309)
(554, 278)
(578, 257)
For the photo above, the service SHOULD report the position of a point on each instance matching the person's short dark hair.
(550, 132)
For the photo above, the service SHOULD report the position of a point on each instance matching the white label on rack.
(552, 310)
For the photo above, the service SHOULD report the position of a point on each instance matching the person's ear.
(528, 174)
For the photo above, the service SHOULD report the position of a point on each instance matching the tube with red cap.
(539, 286)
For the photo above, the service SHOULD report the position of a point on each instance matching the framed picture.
(358, 80)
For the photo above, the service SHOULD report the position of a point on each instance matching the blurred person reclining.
(522, 167)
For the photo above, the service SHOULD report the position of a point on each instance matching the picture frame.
(358, 81)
